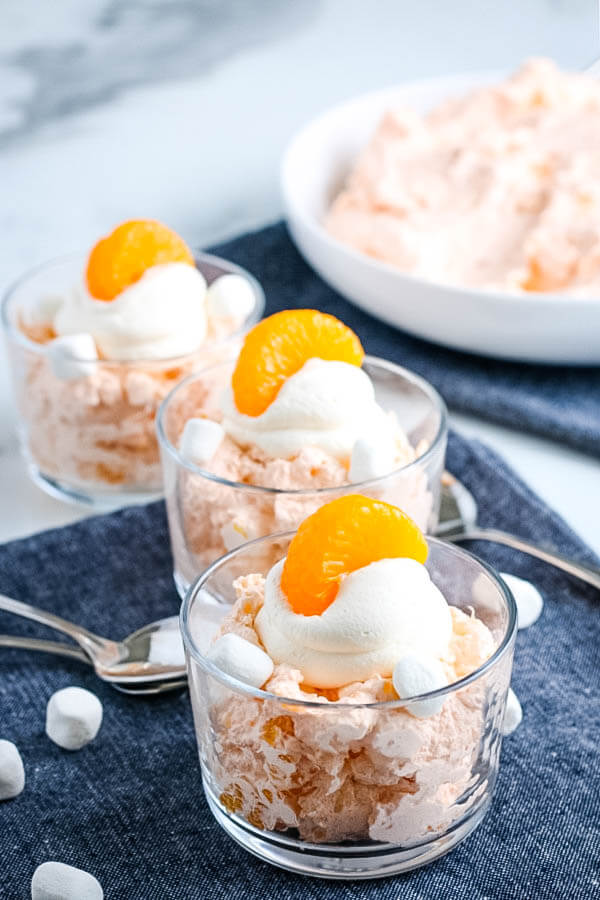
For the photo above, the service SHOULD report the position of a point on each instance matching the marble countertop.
(180, 111)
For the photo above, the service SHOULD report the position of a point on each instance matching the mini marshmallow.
(371, 457)
(513, 714)
(236, 533)
(70, 356)
(528, 599)
(200, 440)
(12, 772)
(241, 659)
(413, 676)
(73, 717)
(42, 312)
(57, 881)
(166, 648)
(230, 296)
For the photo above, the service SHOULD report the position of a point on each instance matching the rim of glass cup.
(425, 386)
(244, 688)
(15, 333)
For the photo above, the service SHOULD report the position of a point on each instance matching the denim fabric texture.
(558, 402)
(129, 806)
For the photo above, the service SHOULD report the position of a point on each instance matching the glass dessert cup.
(204, 509)
(92, 439)
(340, 789)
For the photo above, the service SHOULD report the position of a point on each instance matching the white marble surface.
(180, 110)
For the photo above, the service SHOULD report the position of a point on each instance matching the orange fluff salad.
(350, 617)
(498, 189)
(296, 414)
(108, 345)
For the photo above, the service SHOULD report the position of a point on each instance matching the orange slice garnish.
(120, 259)
(279, 346)
(341, 537)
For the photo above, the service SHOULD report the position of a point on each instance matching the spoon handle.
(91, 643)
(585, 571)
(57, 649)
(54, 647)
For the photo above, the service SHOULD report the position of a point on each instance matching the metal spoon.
(56, 648)
(153, 653)
(458, 522)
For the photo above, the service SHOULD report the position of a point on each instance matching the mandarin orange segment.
(120, 259)
(341, 537)
(279, 346)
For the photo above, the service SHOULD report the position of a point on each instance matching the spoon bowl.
(152, 653)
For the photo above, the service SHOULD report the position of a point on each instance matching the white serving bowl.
(535, 327)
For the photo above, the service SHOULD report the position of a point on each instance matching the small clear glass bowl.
(206, 511)
(92, 439)
(348, 790)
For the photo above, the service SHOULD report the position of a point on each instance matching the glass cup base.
(95, 499)
(351, 861)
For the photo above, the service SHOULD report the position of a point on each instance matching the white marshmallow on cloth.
(371, 457)
(200, 440)
(12, 771)
(230, 296)
(57, 881)
(241, 659)
(413, 676)
(528, 599)
(72, 355)
(73, 717)
(513, 714)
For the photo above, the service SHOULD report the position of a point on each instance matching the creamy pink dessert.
(217, 518)
(95, 368)
(341, 770)
(324, 429)
(499, 189)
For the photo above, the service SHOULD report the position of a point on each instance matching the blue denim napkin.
(559, 402)
(129, 806)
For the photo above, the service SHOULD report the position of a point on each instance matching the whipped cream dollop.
(381, 613)
(326, 404)
(160, 316)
